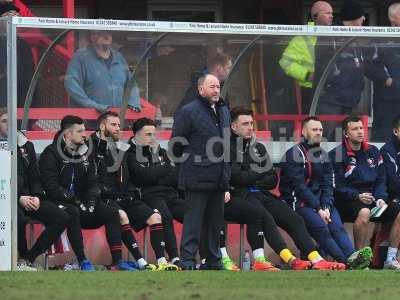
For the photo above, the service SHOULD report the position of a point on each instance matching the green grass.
(310, 285)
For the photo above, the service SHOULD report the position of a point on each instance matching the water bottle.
(246, 261)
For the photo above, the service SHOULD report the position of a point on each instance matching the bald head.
(322, 13)
(394, 14)
(209, 88)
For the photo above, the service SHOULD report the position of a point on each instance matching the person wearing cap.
(299, 56)
(345, 82)
(97, 76)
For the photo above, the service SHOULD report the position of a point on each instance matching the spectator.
(220, 65)
(25, 65)
(69, 177)
(360, 186)
(385, 73)
(298, 58)
(204, 179)
(97, 76)
(306, 185)
(345, 82)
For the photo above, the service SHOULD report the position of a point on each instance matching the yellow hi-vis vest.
(298, 59)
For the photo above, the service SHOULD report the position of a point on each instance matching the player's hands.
(227, 197)
(366, 198)
(389, 82)
(380, 203)
(29, 203)
(324, 216)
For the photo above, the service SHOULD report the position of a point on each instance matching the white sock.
(161, 260)
(141, 262)
(174, 260)
(258, 253)
(391, 254)
(224, 253)
(203, 261)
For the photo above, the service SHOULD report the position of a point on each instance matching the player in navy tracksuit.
(306, 184)
(391, 161)
(360, 185)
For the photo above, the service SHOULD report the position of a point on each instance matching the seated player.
(361, 185)
(69, 177)
(306, 185)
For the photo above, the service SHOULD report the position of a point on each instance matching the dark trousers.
(289, 221)
(332, 237)
(55, 218)
(108, 216)
(202, 210)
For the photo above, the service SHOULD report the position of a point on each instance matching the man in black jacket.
(253, 176)
(117, 189)
(205, 173)
(151, 171)
(69, 177)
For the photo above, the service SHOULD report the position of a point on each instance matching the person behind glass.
(298, 59)
(98, 74)
(360, 186)
(33, 203)
(307, 186)
(69, 177)
(385, 73)
(25, 66)
(203, 176)
(219, 65)
(345, 82)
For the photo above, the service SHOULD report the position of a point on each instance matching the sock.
(314, 257)
(224, 253)
(222, 239)
(116, 253)
(391, 253)
(157, 240)
(286, 255)
(175, 260)
(130, 242)
(161, 260)
(259, 254)
(141, 262)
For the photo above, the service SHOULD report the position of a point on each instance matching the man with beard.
(69, 177)
(97, 75)
(306, 185)
(117, 189)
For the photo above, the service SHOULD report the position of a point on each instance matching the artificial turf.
(210, 285)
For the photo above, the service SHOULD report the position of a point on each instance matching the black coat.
(251, 167)
(28, 171)
(111, 163)
(67, 177)
(153, 173)
(198, 123)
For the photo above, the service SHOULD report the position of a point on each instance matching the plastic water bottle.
(246, 261)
